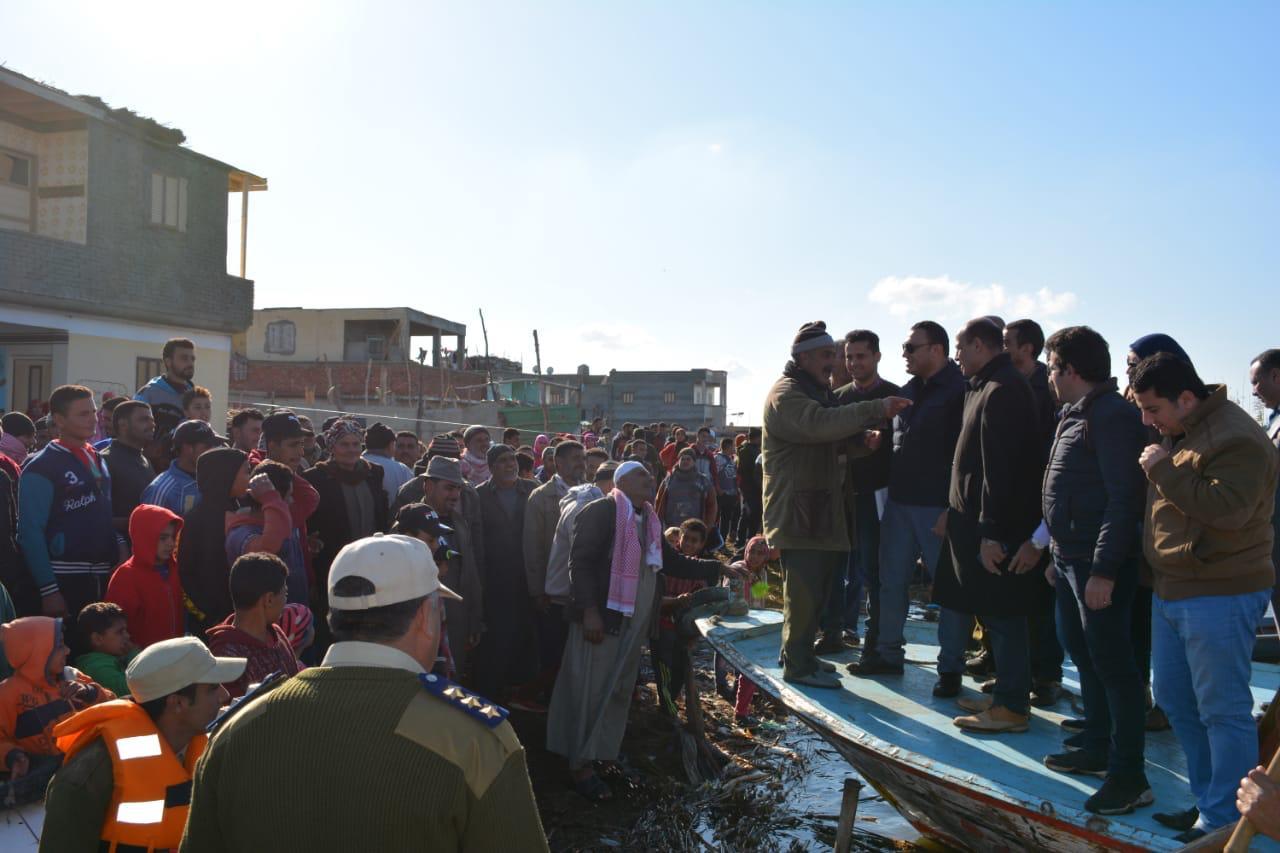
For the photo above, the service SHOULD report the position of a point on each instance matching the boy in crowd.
(147, 585)
(670, 651)
(105, 628)
(266, 525)
(258, 588)
(41, 691)
(197, 404)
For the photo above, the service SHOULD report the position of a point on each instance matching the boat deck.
(898, 718)
(20, 828)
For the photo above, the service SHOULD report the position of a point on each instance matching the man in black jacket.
(1094, 497)
(592, 696)
(749, 477)
(1024, 341)
(993, 508)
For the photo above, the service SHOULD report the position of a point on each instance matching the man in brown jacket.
(1208, 539)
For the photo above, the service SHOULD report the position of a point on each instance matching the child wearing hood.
(147, 585)
(42, 691)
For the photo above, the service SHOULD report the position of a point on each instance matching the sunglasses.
(908, 348)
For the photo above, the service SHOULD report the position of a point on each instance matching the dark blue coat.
(924, 438)
(1094, 489)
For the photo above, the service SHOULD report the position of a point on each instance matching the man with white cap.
(369, 750)
(126, 782)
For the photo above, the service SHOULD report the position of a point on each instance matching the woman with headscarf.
(222, 475)
(352, 505)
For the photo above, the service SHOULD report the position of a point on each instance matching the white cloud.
(944, 297)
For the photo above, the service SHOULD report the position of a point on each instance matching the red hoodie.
(152, 602)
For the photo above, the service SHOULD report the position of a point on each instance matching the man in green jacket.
(369, 750)
(806, 435)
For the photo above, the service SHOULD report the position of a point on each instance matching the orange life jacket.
(152, 788)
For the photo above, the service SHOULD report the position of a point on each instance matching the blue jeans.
(1009, 639)
(1200, 652)
(906, 532)
(1110, 684)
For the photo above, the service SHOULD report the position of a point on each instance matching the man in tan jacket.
(1207, 537)
(805, 434)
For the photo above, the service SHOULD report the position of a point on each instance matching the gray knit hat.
(810, 337)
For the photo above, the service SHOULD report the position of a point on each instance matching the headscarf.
(12, 447)
(1148, 345)
(539, 444)
(588, 440)
(339, 430)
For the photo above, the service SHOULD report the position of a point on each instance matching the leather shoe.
(948, 686)
(1046, 694)
(815, 679)
(1178, 820)
(875, 666)
(974, 704)
(829, 645)
(995, 720)
(1192, 834)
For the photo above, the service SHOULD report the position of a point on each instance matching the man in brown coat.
(1207, 536)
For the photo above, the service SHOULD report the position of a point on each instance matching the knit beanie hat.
(443, 445)
(810, 337)
(1148, 345)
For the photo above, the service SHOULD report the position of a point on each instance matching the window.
(668, 397)
(169, 201)
(17, 201)
(715, 395)
(282, 337)
(699, 393)
(376, 347)
(628, 397)
(148, 369)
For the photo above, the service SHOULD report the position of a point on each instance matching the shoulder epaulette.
(271, 682)
(478, 707)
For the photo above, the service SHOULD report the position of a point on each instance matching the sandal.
(593, 788)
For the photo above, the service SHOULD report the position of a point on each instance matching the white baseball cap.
(401, 568)
(170, 665)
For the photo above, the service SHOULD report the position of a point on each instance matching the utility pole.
(537, 354)
(488, 363)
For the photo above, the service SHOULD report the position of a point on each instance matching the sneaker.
(1178, 820)
(948, 686)
(994, 721)
(829, 645)
(875, 666)
(1080, 763)
(1046, 694)
(1119, 797)
(1073, 724)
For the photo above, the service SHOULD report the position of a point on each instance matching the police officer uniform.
(369, 750)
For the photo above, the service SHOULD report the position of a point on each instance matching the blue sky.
(663, 186)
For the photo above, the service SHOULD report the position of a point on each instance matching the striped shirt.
(175, 490)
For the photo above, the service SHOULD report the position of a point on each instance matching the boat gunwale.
(1075, 821)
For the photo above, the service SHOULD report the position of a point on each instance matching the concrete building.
(351, 358)
(113, 238)
(690, 397)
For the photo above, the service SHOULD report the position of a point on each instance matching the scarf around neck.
(354, 477)
(820, 394)
(624, 570)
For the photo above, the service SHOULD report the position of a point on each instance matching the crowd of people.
(346, 584)
(1134, 529)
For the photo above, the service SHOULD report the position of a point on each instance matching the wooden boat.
(975, 792)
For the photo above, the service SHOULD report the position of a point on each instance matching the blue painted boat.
(974, 792)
